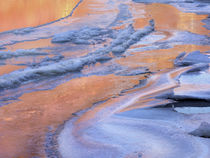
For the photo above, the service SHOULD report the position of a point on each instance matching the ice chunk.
(192, 58)
(129, 36)
(125, 38)
(20, 52)
(133, 72)
(83, 36)
(193, 110)
(71, 65)
(163, 1)
(186, 37)
(194, 85)
(23, 31)
(202, 131)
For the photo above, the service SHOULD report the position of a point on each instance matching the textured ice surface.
(207, 22)
(125, 38)
(202, 131)
(195, 82)
(163, 1)
(186, 37)
(193, 110)
(123, 15)
(23, 31)
(192, 58)
(133, 72)
(179, 37)
(194, 86)
(196, 6)
(21, 52)
(119, 128)
(170, 1)
(17, 77)
(153, 133)
(83, 36)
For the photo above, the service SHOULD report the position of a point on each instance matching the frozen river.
(108, 79)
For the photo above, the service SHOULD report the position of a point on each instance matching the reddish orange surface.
(27, 13)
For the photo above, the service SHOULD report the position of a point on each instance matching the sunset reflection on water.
(24, 123)
(167, 17)
(15, 14)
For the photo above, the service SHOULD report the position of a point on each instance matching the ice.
(129, 36)
(202, 131)
(192, 58)
(207, 22)
(133, 72)
(123, 15)
(85, 35)
(23, 31)
(193, 110)
(163, 1)
(149, 132)
(196, 6)
(194, 86)
(194, 83)
(125, 38)
(186, 37)
(21, 52)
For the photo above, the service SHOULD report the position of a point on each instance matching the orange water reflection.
(130, 101)
(9, 68)
(167, 17)
(159, 59)
(23, 124)
(30, 44)
(24, 13)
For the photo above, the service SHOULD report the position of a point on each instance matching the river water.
(81, 78)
